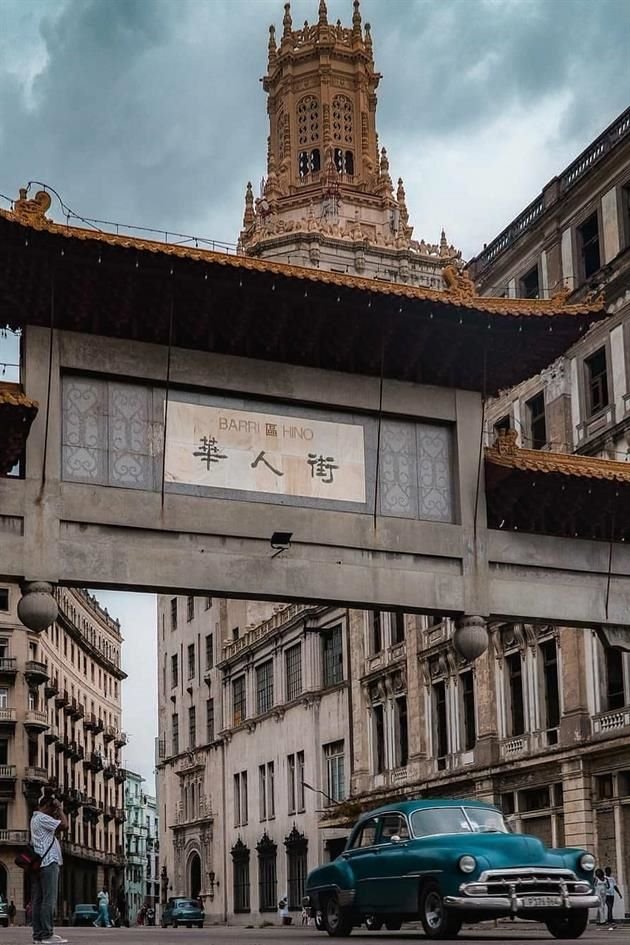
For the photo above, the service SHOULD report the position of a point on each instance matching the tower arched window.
(308, 128)
(282, 122)
(342, 119)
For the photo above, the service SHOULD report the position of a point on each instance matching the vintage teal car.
(446, 862)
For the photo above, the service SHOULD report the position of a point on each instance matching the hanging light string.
(102, 226)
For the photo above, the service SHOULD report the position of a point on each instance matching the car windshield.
(436, 820)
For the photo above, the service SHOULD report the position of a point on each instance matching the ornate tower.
(328, 199)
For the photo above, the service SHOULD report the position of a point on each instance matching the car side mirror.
(395, 838)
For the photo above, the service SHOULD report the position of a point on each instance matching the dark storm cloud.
(150, 111)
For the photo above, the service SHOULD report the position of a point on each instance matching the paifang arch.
(192, 405)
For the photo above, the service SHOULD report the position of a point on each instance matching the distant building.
(60, 724)
(142, 847)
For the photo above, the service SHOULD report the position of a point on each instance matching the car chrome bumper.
(514, 905)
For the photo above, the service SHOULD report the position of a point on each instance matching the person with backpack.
(46, 822)
(611, 889)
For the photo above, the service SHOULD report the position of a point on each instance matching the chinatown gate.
(214, 424)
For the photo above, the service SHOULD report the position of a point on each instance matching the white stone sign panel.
(251, 451)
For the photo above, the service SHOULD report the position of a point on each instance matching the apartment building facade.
(60, 721)
(142, 866)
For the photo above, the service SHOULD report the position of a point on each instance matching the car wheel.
(199, 925)
(189, 925)
(164, 925)
(568, 925)
(373, 923)
(175, 924)
(393, 925)
(437, 921)
(338, 922)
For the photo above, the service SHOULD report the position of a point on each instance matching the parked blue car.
(447, 862)
(181, 911)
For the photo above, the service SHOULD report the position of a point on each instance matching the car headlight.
(587, 862)
(467, 863)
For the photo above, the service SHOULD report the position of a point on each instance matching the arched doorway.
(194, 873)
(3, 882)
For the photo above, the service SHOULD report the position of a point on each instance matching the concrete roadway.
(233, 935)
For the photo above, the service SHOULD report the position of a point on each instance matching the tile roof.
(507, 455)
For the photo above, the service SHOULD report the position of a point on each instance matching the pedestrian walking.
(103, 921)
(611, 889)
(12, 910)
(601, 888)
(46, 822)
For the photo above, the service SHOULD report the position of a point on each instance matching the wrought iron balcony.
(61, 699)
(36, 673)
(109, 772)
(94, 762)
(51, 688)
(109, 733)
(120, 739)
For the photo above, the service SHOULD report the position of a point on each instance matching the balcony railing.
(14, 836)
(8, 772)
(263, 629)
(33, 773)
(8, 665)
(36, 719)
(611, 721)
(36, 672)
(7, 715)
(120, 739)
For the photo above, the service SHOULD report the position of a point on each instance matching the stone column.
(486, 699)
(575, 723)
(578, 809)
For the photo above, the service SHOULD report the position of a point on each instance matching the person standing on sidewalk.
(601, 888)
(611, 889)
(47, 820)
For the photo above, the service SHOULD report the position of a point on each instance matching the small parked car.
(180, 911)
(4, 913)
(85, 913)
(446, 862)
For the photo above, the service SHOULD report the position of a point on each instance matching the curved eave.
(17, 413)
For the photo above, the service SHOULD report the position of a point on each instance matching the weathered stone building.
(141, 847)
(60, 721)
(253, 763)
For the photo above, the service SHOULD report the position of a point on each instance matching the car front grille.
(534, 881)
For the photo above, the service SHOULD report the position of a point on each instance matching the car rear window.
(187, 904)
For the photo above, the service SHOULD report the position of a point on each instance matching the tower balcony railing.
(611, 721)
(14, 837)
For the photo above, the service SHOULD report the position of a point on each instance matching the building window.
(240, 868)
(235, 634)
(209, 652)
(3, 815)
(401, 731)
(239, 704)
(615, 693)
(625, 198)
(240, 799)
(192, 726)
(398, 628)
(190, 607)
(262, 792)
(208, 603)
(440, 728)
(264, 687)
(549, 656)
(4, 751)
(296, 846)
(597, 381)
(335, 772)
(4, 598)
(291, 782)
(514, 668)
(529, 286)
(344, 161)
(376, 632)
(210, 720)
(267, 876)
(175, 733)
(332, 656)
(271, 791)
(293, 661)
(174, 671)
(537, 421)
(174, 613)
(191, 660)
(468, 706)
(266, 791)
(300, 781)
(588, 243)
(378, 735)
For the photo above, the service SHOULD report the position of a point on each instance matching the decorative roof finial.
(249, 216)
(287, 22)
(272, 42)
(444, 251)
(368, 38)
(323, 13)
(400, 193)
(356, 21)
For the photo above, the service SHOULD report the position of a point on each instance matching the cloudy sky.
(150, 112)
